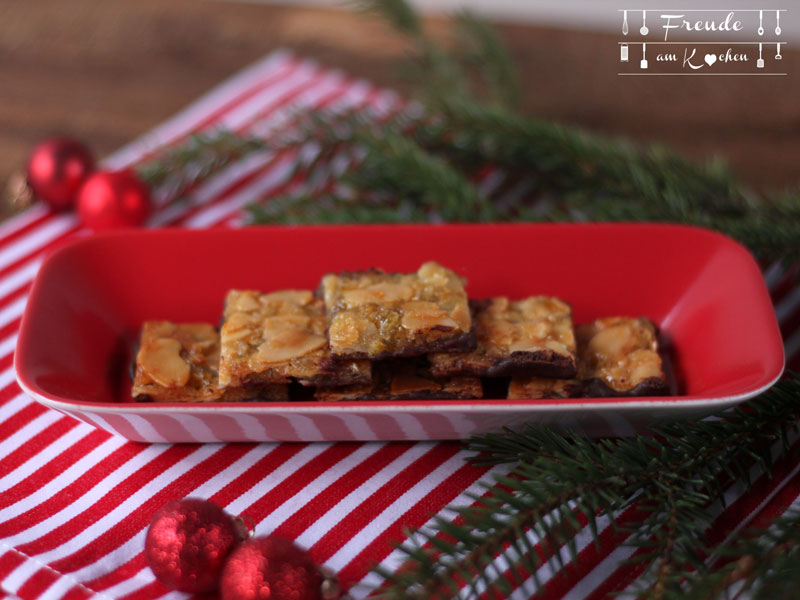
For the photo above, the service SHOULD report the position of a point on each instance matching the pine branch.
(483, 52)
(672, 473)
(191, 163)
(765, 563)
(332, 209)
(395, 165)
(478, 50)
(569, 160)
(572, 175)
(502, 525)
(593, 178)
(397, 13)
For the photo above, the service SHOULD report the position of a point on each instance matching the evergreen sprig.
(426, 169)
(189, 164)
(430, 167)
(762, 563)
(559, 479)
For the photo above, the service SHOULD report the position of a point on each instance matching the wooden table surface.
(106, 72)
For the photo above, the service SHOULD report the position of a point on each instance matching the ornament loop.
(330, 589)
(247, 526)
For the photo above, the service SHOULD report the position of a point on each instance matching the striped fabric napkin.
(75, 501)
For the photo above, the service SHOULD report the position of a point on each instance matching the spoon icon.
(761, 22)
(777, 22)
(644, 30)
(624, 22)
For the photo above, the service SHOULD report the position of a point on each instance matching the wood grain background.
(106, 72)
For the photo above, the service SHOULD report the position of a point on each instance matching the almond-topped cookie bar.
(376, 315)
(276, 337)
(405, 379)
(531, 337)
(619, 356)
(180, 363)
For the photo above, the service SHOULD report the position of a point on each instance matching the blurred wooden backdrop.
(106, 72)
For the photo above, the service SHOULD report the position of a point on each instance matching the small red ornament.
(56, 169)
(112, 200)
(188, 542)
(271, 568)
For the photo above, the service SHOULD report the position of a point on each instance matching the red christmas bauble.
(112, 200)
(56, 169)
(188, 542)
(270, 568)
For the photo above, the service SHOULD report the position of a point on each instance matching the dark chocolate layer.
(543, 363)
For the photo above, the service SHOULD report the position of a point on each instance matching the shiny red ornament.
(271, 568)
(56, 169)
(113, 200)
(188, 542)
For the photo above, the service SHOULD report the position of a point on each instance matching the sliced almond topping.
(246, 301)
(157, 329)
(378, 293)
(534, 330)
(235, 335)
(349, 333)
(556, 347)
(523, 345)
(239, 326)
(645, 364)
(298, 297)
(287, 344)
(422, 306)
(422, 316)
(201, 332)
(460, 315)
(238, 320)
(272, 325)
(497, 333)
(201, 346)
(329, 286)
(611, 341)
(542, 307)
(343, 330)
(567, 337)
(161, 361)
(434, 272)
(439, 276)
(415, 322)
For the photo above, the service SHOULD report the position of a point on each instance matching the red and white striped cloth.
(75, 501)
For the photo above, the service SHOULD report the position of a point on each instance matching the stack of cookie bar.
(372, 335)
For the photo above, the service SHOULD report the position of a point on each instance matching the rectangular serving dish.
(90, 297)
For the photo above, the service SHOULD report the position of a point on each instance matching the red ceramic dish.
(91, 296)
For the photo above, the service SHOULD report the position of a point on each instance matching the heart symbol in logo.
(711, 59)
